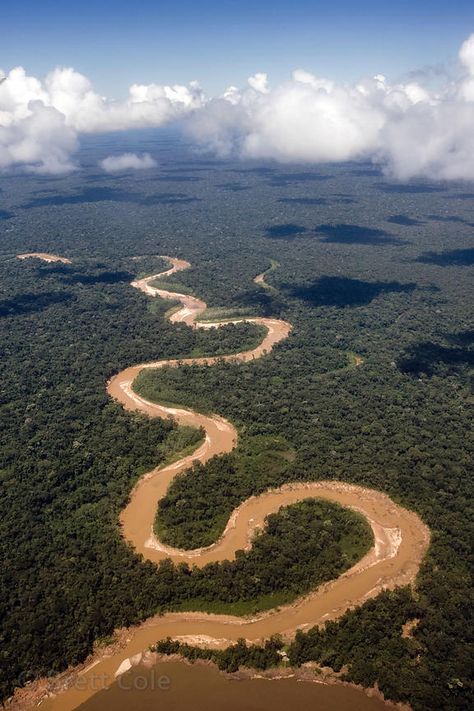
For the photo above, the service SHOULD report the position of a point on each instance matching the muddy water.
(45, 256)
(221, 436)
(178, 687)
(400, 536)
(400, 544)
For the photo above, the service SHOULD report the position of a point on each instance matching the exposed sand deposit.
(44, 256)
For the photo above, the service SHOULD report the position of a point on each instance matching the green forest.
(401, 422)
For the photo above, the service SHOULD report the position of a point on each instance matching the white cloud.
(466, 57)
(409, 128)
(259, 82)
(127, 161)
(40, 141)
(466, 54)
(302, 122)
(73, 107)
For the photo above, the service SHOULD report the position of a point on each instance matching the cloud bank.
(41, 120)
(411, 130)
(127, 161)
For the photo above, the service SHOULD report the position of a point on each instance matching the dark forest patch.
(408, 188)
(430, 358)
(403, 220)
(285, 231)
(233, 187)
(342, 292)
(106, 194)
(303, 201)
(448, 258)
(356, 234)
(31, 303)
(285, 179)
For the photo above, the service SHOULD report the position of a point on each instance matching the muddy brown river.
(400, 541)
(173, 686)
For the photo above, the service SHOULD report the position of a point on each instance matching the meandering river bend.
(400, 536)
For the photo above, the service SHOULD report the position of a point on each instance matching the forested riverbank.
(401, 423)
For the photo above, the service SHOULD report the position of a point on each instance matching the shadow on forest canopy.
(179, 171)
(285, 179)
(449, 258)
(31, 303)
(403, 220)
(179, 178)
(462, 196)
(285, 231)
(233, 187)
(367, 172)
(429, 358)
(5, 215)
(356, 234)
(268, 303)
(331, 200)
(342, 292)
(463, 338)
(167, 199)
(408, 188)
(69, 275)
(262, 170)
(449, 218)
(341, 199)
(107, 277)
(106, 194)
(303, 201)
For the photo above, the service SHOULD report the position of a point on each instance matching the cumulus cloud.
(259, 82)
(40, 141)
(127, 161)
(40, 120)
(146, 105)
(409, 128)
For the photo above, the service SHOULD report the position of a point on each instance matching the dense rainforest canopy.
(364, 271)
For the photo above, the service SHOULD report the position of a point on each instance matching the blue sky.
(219, 43)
